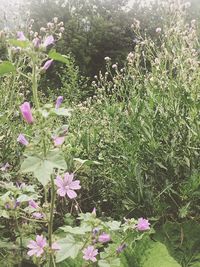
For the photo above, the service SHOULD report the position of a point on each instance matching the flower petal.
(62, 192)
(59, 181)
(71, 193)
(39, 252)
(75, 185)
(32, 252)
(68, 178)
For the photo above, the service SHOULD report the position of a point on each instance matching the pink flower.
(37, 215)
(22, 140)
(94, 211)
(59, 101)
(58, 141)
(142, 225)
(33, 204)
(5, 167)
(48, 41)
(158, 30)
(20, 36)
(67, 185)
(26, 112)
(104, 238)
(37, 247)
(36, 42)
(90, 253)
(47, 64)
(55, 246)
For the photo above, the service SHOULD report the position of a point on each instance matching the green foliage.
(158, 256)
(93, 29)
(42, 168)
(133, 136)
(182, 241)
(57, 56)
(6, 67)
(142, 126)
(69, 248)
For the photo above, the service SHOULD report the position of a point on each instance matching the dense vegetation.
(125, 125)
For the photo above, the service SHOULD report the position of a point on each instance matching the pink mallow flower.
(58, 141)
(20, 36)
(59, 101)
(55, 246)
(33, 204)
(90, 253)
(47, 64)
(48, 41)
(142, 225)
(26, 112)
(104, 238)
(67, 185)
(22, 140)
(37, 247)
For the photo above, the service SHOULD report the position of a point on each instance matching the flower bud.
(26, 112)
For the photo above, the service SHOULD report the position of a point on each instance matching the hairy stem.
(50, 226)
(35, 86)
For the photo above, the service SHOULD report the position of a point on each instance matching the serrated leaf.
(6, 67)
(158, 256)
(113, 225)
(69, 247)
(57, 56)
(76, 230)
(43, 168)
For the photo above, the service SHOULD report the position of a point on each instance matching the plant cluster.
(30, 205)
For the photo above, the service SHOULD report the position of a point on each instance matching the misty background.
(94, 29)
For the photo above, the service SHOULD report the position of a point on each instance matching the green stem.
(20, 238)
(45, 195)
(35, 86)
(50, 226)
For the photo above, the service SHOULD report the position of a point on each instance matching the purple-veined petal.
(71, 193)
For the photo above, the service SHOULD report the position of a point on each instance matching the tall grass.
(143, 125)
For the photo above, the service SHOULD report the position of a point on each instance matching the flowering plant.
(33, 208)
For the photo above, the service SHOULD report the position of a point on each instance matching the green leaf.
(69, 263)
(4, 214)
(158, 256)
(6, 67)
(182, 240)
(57, 56)
(24, 198)
(76, 230)
(69, 247)
(7, 244)
(43, 168)
(109, 263)
(113, 225)
(18, 43)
